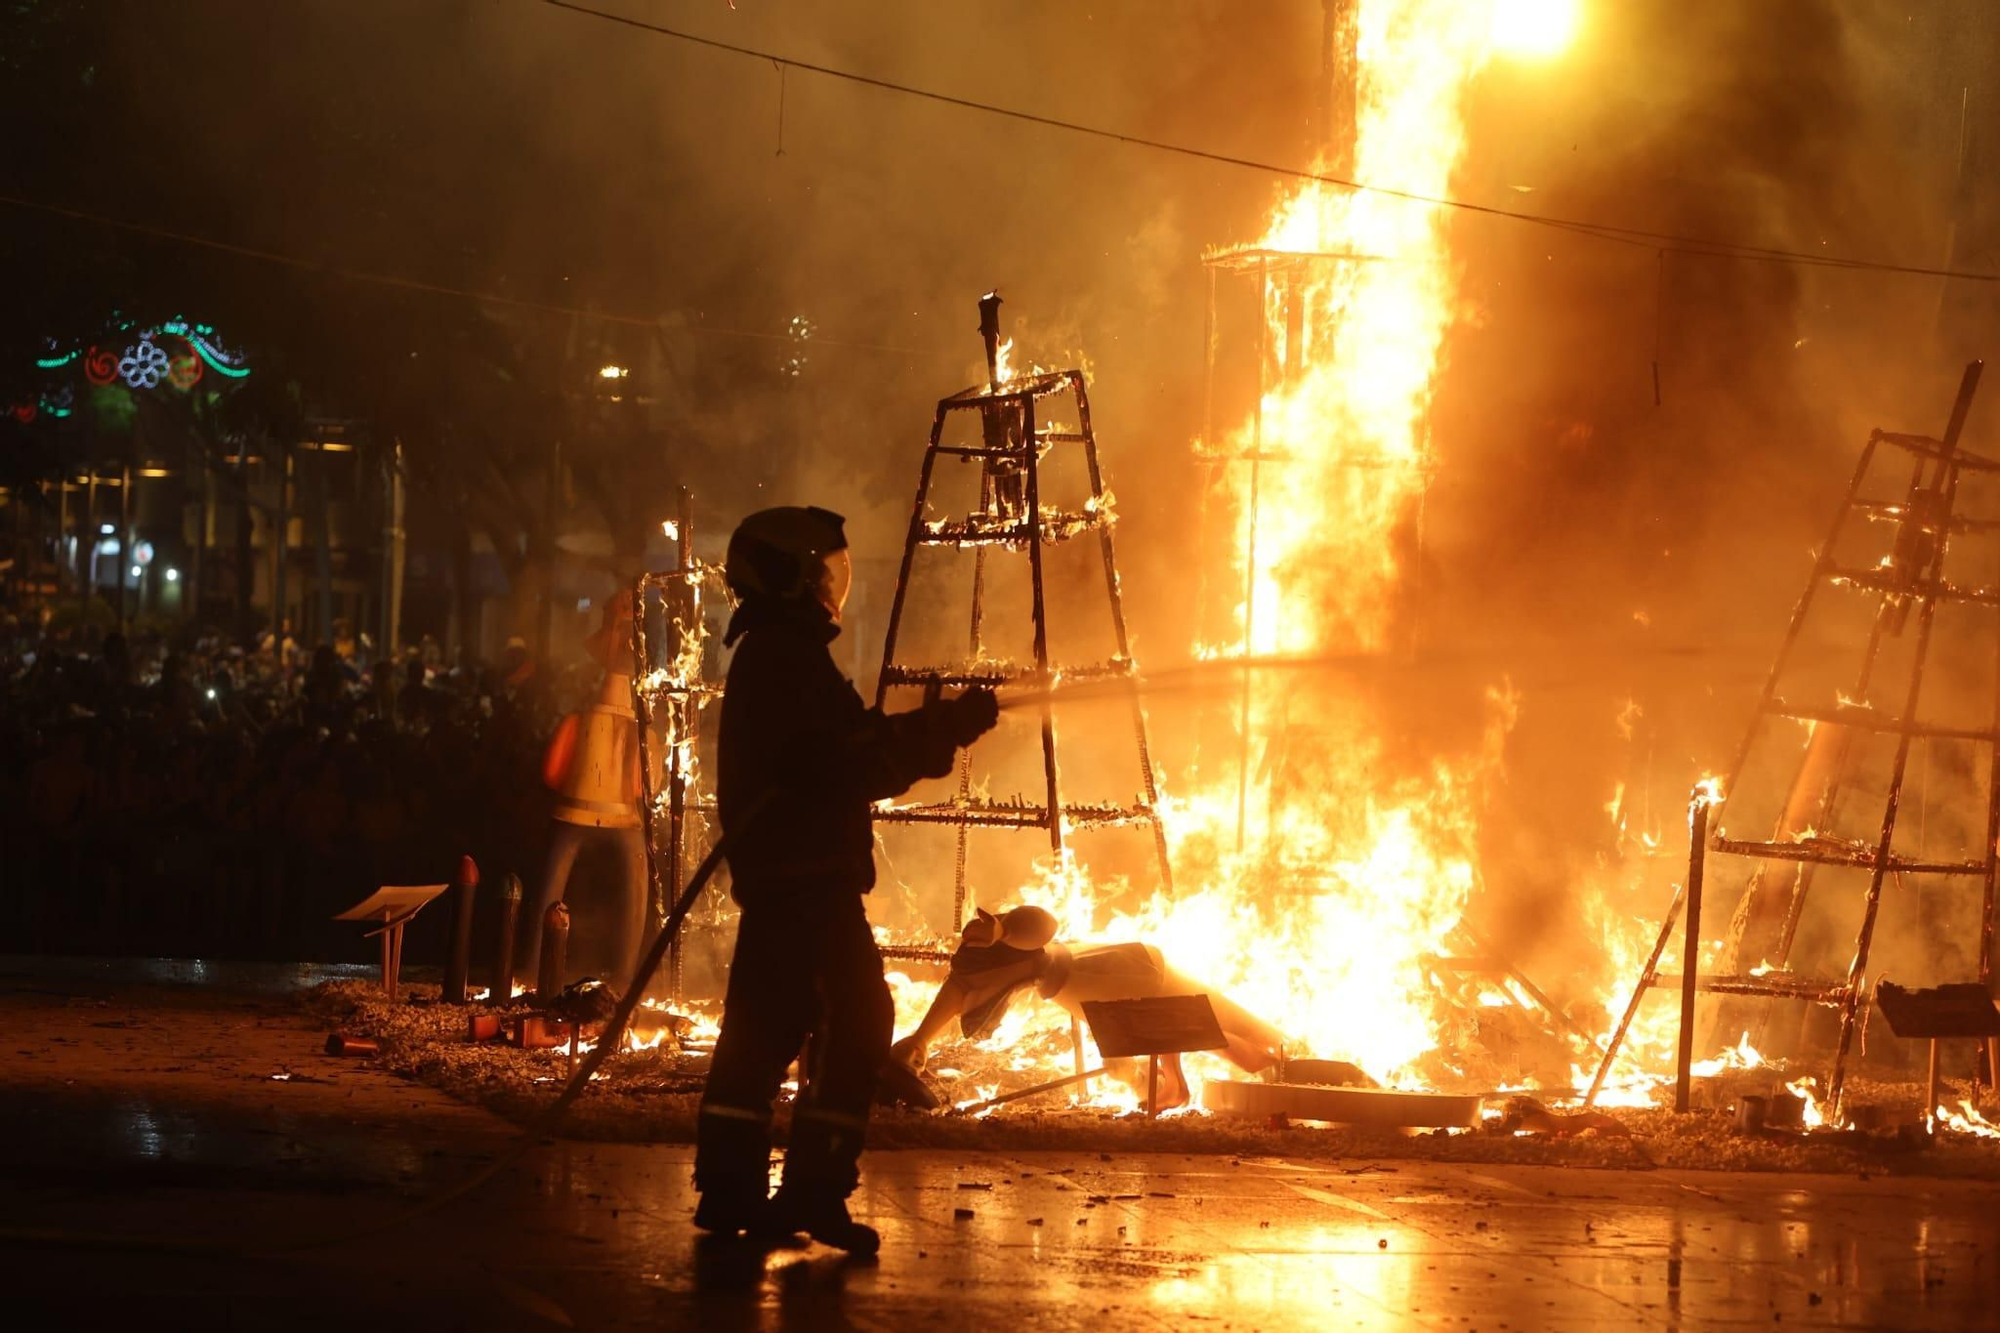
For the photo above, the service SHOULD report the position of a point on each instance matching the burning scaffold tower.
(670, 691)
(1013, 516)
(1841, 804)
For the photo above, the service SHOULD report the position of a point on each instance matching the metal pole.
(1210, 472)
(280, 536)
(684, 625)
(910, 545)
(388, 957)
(1872, 905)
(1691, 950)
(1250, 556)
(977, 641)
(1992, 877)
(1644, 984)
(642, 715)
(124, 530)
(1931, 1089)
(460, 960)
(1040, 611)
(555, 953)
(503, 962)
(86, 549)
(1016, 1095)
(63, 488)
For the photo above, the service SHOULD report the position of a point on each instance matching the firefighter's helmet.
(782, 552)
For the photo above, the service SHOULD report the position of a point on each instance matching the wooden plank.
(1961, 1010)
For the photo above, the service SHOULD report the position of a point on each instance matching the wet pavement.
(597, 1235)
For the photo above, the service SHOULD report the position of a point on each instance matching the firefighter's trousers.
(805, 965)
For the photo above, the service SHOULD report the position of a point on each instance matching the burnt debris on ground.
(651, 1096)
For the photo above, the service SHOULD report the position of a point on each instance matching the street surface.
(150, 1111)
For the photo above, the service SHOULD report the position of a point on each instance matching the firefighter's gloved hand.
(970, 716)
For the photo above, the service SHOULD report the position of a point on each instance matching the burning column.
(1372, 861)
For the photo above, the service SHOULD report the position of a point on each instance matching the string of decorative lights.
(1672, 242)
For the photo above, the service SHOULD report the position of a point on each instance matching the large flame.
(1347, 875)
(1346, 870)
(1314, 896)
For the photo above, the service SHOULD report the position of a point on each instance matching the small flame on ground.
(1740, 1056)
(1966, 1120)
(1807, 1090)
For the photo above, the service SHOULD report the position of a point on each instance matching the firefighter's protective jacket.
(794, 728)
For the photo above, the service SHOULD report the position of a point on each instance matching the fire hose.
(1220, 673)
(536, 1129)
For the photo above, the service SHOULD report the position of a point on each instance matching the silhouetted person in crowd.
(413, 703)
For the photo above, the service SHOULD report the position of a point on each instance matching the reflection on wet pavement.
(238, 978)
(158, 1104)
(598, 1235)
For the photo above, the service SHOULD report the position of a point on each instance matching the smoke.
(553, 157)
(1573, 505)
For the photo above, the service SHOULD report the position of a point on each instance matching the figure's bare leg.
(946, 1005)
(1173, 1083)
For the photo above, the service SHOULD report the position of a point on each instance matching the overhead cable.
(1676, 242)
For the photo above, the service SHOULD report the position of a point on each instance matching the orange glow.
(1534, 29)
(1348, 872)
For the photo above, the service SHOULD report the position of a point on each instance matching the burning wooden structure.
(1927, 516)
(670, 691)
(1013, 516)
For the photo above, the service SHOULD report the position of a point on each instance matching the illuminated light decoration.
(23, 412)
(144, 364)
(215, 359)
(100, 367)
(184, 371)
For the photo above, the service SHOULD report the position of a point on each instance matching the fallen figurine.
(1000, 956)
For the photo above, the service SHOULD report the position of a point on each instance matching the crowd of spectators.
(196, 799)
